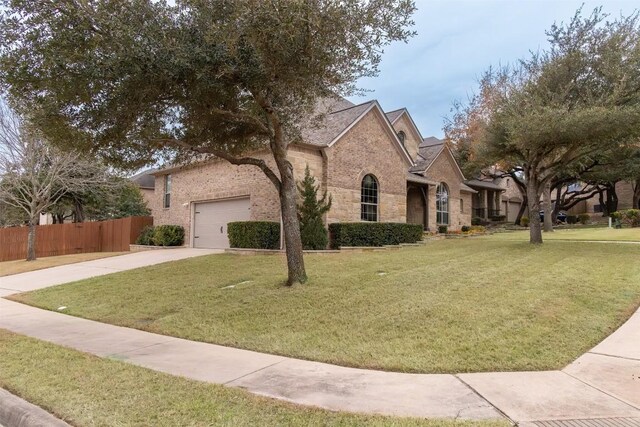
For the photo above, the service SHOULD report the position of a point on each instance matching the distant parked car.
(562, 216)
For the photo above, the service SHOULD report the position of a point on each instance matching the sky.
(457, 41)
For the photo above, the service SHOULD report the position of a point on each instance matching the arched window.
(369, 199)
(442, 204)
(402, 136)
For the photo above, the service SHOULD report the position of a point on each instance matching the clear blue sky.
(457, 40)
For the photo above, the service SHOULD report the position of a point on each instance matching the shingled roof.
(393, 115)
(427, 153)
(338, 116)
(145, 179)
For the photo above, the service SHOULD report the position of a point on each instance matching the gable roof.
(483, 185)
(430, 149)
(337, 121)
(395, 114)
(333, 123)
(337, 116)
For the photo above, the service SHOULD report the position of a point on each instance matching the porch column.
(485, 202)
(498, 202)
(425, 199)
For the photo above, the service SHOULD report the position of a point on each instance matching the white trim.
(355, 121)
(434, 159)
(389, 127)
(413, 124)
(444, 146)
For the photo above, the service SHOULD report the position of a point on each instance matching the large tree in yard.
(34, 175)
(135, 80)
(551, 114)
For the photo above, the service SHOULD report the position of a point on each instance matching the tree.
(33, 174)
(554, 111)
(125, 199)
(310, 212)
(113, 198)
(135, 80)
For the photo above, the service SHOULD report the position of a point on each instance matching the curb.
(17, 412)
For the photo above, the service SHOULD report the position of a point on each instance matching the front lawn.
(465, 305)
(580, 234)
(85, 390)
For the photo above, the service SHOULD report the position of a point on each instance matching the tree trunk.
(612, 198)
(533, 196)
(291, 224)
(636, 195)
(558, 204)
(31, 240)
(78, 212)
(548, 210)
(523, 208)
(288, 191)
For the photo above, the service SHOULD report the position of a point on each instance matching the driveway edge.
(17, 412)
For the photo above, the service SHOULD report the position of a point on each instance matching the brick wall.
(444, 170)
(219, 179)
(412, 141)
(366, 149)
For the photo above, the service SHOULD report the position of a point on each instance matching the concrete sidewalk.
(601, 384)
(83, 270)
(601, 388)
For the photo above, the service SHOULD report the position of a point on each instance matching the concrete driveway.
(83, 270)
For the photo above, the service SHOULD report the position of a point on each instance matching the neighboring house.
(497, 199)
(375, 165)
(624, 191)
(146, 181)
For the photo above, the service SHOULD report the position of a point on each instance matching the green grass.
(465, 305)
(578, 234)
(85, 390)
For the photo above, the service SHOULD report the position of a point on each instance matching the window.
(461, 206)
(167, 191)
(442, 204)
(402, 136)
(369, 199)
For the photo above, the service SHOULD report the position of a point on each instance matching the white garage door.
(211, 219)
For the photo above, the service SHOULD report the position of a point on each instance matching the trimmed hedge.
(168, 235)
(373, 233)
(146, 236)
(161, 235)
(254, 234)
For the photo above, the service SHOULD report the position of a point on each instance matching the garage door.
(211, 219)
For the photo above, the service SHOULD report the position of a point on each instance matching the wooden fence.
(62, 239)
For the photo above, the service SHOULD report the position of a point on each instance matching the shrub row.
(373, 233)
(584, 218)
(254, 234)
(630, 217)
(161, 235)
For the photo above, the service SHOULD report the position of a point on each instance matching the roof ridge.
(353, 106)
(396, 110)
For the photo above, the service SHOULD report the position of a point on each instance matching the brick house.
(375, 165)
